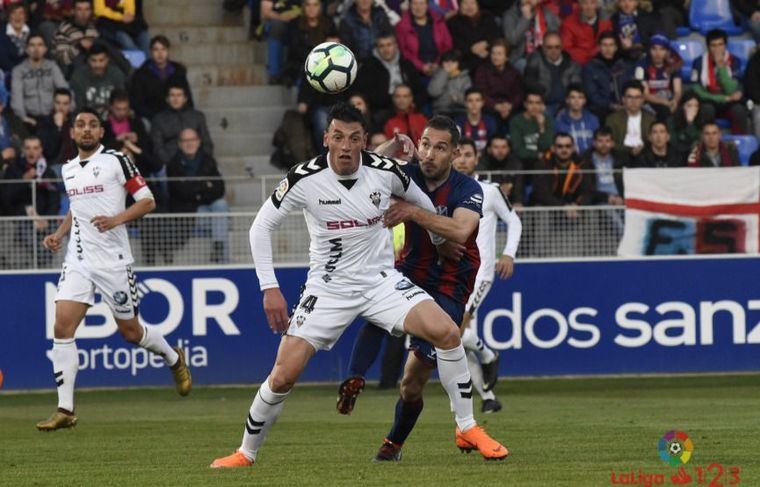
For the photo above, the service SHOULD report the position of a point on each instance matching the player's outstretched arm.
(456, 228)
(400, 146)
(138, 210)
(53, 241)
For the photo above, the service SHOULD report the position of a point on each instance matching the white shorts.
(479, 293)
(117, 287)
(321, 316)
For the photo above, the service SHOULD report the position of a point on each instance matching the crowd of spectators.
(560, 85)
(57, 55)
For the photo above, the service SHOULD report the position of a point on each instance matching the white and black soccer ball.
(330, 67)
(675, 448)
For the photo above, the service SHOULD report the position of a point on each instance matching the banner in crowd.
(691, 211)
(566, 318)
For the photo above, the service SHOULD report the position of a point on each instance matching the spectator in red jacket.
(407, 121)
(580, 31)
(500, 82)
(423, 37)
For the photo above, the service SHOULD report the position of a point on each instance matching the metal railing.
(222, 238)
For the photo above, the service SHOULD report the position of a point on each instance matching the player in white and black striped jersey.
(99, 259)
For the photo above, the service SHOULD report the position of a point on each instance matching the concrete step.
(250, 165)
(230, 53)
(225, 75)
(245, 120)
(188, 12)
(208, 97)
(238, 145)
(196, 34)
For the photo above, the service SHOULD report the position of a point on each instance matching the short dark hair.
(89, 110)
(442, 122)
(711, 122)
(384, 34)
(346, 112)
(98, 48)
(452, 55)
(499, 136)
(468, 141)
(608, 34)
(88, 2)
(32, 137)
(500, 42)
(62, 91)
(535, 91)
(472, 90)
(632, 84)
(35, 35)
(118, 95)
(658, 122)
(562, 135)
(15, 6)
(603, 132)
(160, 39)
(715, 34)
(574, 87)
(177, 85)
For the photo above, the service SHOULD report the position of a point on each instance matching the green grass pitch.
(560, 432)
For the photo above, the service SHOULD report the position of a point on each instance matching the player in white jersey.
(495, 206)
(344, 196)
(99, 259)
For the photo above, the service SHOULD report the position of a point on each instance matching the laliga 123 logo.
(675, 448)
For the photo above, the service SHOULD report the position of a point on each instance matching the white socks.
(156, 343)
(65, 367)
(455, 378)
(472, 343)
(477, 377)
(265, 410)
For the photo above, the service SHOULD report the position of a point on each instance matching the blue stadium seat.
(705, 15)
(723, 123)
(746, 145)
(689, 50)
(682, 31)
(741, 49)
(135, 57)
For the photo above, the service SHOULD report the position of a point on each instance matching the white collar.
(10, 31)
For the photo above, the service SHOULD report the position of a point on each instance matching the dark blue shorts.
(424, 350)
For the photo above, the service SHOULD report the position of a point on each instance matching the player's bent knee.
(411, 389)
(131, 335)
(280, 382)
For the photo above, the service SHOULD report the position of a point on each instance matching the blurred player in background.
(99, 258)
(495, 206)
(345, 196)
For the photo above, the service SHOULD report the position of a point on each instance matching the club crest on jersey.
(279, 193)
(441, 210)
(96, 171)
(404, 284)
(300, 320)
(375, 198)
(120, 298)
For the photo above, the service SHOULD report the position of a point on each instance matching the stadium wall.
(552, 318)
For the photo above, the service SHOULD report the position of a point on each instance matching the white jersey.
(349, 246)
(495, 205)
(98, 186)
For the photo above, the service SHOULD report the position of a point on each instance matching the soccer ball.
(675, 448)
(330, 67)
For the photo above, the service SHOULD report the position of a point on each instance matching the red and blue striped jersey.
(419, 260)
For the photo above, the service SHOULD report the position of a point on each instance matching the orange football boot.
(476, 438)
(237, 459)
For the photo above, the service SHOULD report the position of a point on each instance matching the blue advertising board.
(551, 318)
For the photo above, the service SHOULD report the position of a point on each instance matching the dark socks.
(406, 417)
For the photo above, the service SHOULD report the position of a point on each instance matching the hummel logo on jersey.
(375, 197)
(329, 202)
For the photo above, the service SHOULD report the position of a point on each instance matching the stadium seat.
(705, 15)
(135, 57)
(723, 123)
(742, 49)
(682, 31)
(689, 50)
(745, 144)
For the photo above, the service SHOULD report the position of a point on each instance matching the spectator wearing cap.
(448, 85)
(580, 31)
(525, 24)
(660, 73)
(553, 70)
(715, 79)
(423, 37)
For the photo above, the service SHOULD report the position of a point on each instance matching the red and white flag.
(691, 211)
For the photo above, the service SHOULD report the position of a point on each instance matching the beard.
(87, 146)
